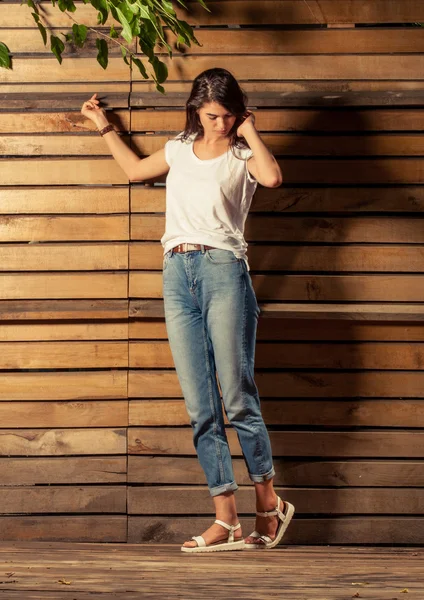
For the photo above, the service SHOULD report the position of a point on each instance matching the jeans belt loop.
(202, 246)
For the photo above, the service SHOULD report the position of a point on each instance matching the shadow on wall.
(339, 376)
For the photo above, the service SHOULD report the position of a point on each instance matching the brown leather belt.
(190, 247)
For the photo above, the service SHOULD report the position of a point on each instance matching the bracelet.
(106, 129)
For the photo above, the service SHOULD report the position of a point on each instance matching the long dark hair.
(215, 85)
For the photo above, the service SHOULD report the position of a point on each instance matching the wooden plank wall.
(95, 442)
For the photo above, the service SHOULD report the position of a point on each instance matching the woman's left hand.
(248, 122)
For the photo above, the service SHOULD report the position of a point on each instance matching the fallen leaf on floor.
(11, 573)
(64, 581)
(404, 591)
(356, 595)
(360, 583)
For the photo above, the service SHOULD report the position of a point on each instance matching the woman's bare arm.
(136, 168)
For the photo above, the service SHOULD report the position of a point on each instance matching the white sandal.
(285, 516)
(230, 544)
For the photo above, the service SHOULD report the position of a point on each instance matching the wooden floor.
(77, 571)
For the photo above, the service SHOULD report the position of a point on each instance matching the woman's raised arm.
(136, 168)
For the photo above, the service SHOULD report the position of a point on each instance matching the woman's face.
(216, 120)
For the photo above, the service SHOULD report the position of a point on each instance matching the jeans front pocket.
(166, 258)
(222, 257)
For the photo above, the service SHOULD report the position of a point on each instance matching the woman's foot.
(215, 534)
(265, 525)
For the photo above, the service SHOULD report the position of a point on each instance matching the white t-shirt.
(207, 201)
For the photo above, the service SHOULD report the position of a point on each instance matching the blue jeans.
(211, 317)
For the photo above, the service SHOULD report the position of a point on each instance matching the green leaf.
(57, 47)
(102, 56)
(160, 88)
(66, 5)
(68, 37)
(103, 8)
(141, 67)
(80, 34)
(125, 10)
(167, 5)
(126, 29)
(4, 56)
(31, 4)
(161, 70)
(124, 54)
(41, 28)
(113, 33)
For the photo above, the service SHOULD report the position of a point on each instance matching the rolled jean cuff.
(221, 489)
(265, 477)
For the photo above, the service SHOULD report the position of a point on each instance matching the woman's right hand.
(92, 111)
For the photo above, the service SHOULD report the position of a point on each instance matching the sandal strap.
(258, 536)
(199, 540)
(231, 528)
(273, 513)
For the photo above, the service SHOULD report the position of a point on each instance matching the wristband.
(106, 129)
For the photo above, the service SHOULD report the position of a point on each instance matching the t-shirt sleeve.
(247, 155)
(171, 149)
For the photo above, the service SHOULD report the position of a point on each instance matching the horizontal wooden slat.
(62, 200)
(347, 530)
(63, 386)
(239, 41)
(370, 66)
(21, 286)
(19, 331)
(72, 413)
(283, 144)
(288, 443)
(364, 413)
(375, 473)
(54, 145)
(62, 257)
(307, 329)
(53, 310)
(47, 69)
(337, 120)
(370, 258)
(56, 171)
(61, 442)
(69, 528)
(320, 288)
(391, 312)
(303, 384)
(19, 228)
(53, 122)
(286, 144)
(30, 41)
(63, 355)
(66, 97)
(193, 500)
(144, 92)
(372, 355)
(63, 499)
(297, 11)
(320, 41)
(232, 11)
(88, 469)
(324, 229)
(294, 200)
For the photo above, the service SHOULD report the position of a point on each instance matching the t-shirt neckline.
(207, 160)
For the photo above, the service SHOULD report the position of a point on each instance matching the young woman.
(211, 311)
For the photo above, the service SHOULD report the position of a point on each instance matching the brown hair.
(215, 85)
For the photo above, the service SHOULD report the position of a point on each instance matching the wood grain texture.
(334, 444)
(304, 384)
(300, 413)
(374, 473)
